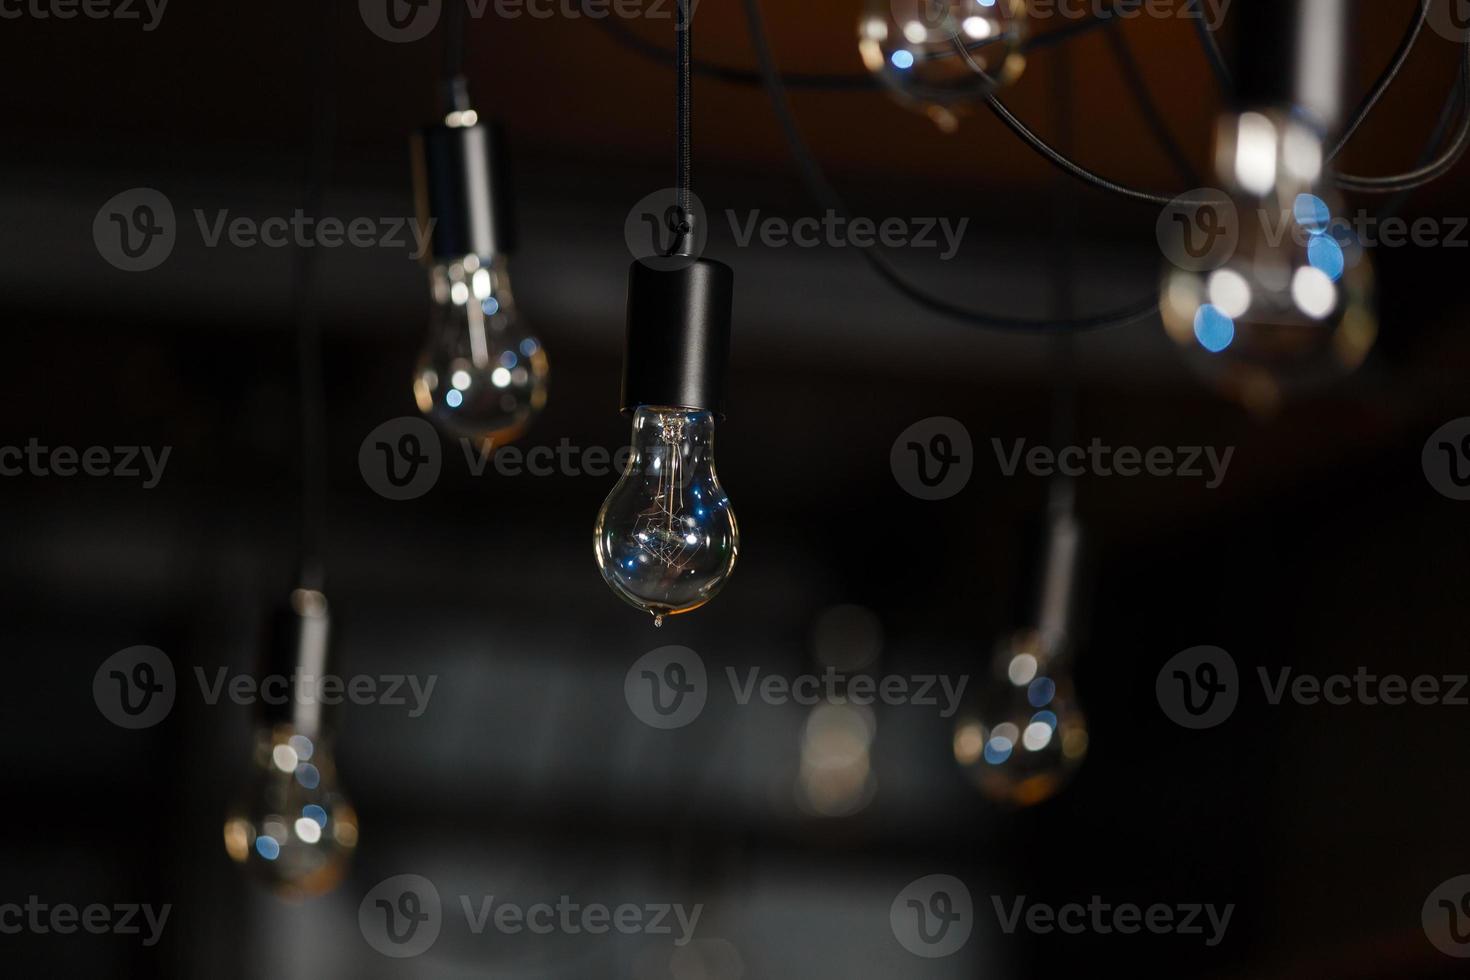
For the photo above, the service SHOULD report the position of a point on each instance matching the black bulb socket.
(298, 652)
(1293, 55)
(462, 191)
(678, 343)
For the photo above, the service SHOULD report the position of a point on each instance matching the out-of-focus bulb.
(936, 55)
(666, 538)
(1022, 734)
(482, 374)
(292, 826)
(836, 776)
(1292, 307)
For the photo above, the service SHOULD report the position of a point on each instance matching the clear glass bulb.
(1021, 735)
(934, 55)
(1292, 307)
(482, 375)
(292, 826)
(666, 538)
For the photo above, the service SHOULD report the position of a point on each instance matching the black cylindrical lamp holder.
(1293, 55)
(461, 187)
(678, 341)
(299, 652)
(1062, 573)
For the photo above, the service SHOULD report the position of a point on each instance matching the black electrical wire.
(1066, 164)
(1061, 494)
(454, 42)
(819, 187)
(1370, 100)
(1432, 147)
(653, 51)
(683, 124)
(820, 81)
(305, 301)
(1147, 108)
(1436, 168)
(832, 83)
(1020, 129)
(1213, 54)
(456, 89)
(1395, 65)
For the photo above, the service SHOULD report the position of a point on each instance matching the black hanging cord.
(1066, 164)
(819, 187)
(683, 127)
(1213, 54)
(1432, 147)
(1133, 75)
(1434, 169)
(864, 82)
(306, 294)
(1395, 65)
(834, 83)
(1061, 494)
(456, 94)
(814, 81)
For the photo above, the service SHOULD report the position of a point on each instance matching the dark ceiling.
(239, 76)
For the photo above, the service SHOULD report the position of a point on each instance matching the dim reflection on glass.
(1022, 734)
(481, 375)
(836, 776)
(1292, 307)
(292, 827)
(936, 55)
(666, 538)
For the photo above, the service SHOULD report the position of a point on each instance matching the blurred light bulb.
(836, 776)
(1291, 307)
(482, 375)
(292, 826)
(934, 55)
(1022, 735)
(666, 538)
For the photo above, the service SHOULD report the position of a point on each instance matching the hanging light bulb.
(291, 825)
(1020, 741)
(1022, 735)
(1291, 306)
(666, 535)
(937, 55)
(666, 538)
(482, 373)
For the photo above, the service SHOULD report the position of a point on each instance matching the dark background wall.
(1324, 550)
